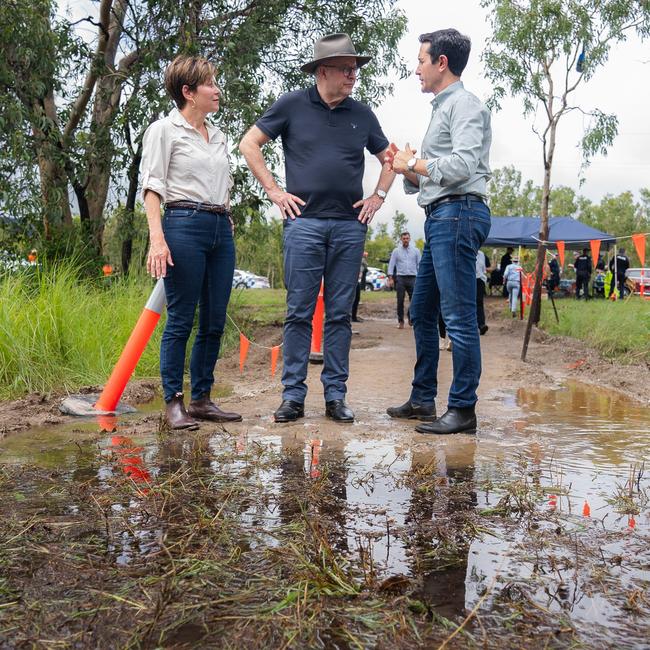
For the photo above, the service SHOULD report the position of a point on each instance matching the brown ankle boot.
(176, 415)
(205, 409)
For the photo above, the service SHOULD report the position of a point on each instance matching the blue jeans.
(315, 249)
(203, 253)
(446, 283)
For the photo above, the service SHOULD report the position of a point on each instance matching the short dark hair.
(450, 42)
(190, 71)
(405, 232)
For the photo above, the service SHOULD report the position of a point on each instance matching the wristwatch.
(381, 194)
(411, 164)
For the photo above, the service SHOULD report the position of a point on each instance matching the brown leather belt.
(428, 209)
(214, 208)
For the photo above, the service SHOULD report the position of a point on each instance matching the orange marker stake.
(244, 344)
(275, 351)
(316, 355)
(586, 510)
(552, 501)
(133, 350)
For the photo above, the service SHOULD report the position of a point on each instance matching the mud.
(534, 533)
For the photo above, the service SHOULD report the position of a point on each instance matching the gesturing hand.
(288, 203)
(400, 158)
(158, 258)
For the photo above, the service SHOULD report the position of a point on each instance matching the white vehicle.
(376, 279)
(247, 280)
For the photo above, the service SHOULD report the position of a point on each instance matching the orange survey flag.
(244, 343)
(275, 351)
(560, 251)
(595, 250)
(639, 244)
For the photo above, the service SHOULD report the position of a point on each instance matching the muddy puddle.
(545, 513)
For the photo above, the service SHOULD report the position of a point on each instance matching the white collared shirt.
(179, 165)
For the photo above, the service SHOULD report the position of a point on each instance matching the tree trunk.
(129, 211)
(535, 311)
(53, 177)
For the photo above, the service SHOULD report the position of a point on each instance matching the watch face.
(381, 194)
(411, 163)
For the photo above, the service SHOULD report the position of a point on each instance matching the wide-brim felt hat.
(331, 47)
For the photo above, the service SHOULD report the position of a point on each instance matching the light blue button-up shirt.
(404, 260)
(457, 147)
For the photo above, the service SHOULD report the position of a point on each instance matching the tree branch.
(80, 104)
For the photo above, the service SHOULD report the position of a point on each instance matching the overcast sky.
(621, 87)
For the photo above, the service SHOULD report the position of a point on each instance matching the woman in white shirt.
(186, 167)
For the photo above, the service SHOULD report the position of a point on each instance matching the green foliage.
(60, 331)
(400, 224)
(508, 197)
(619, 330)
(109, 89)
(259, 249)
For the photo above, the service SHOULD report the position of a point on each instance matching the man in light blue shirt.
(450, 177)
(403, 266)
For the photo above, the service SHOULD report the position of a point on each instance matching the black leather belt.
(214, 208)
(428, 209)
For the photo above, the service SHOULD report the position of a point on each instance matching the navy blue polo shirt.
(324, 149)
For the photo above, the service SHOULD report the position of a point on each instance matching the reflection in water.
(440, 546)
(399, 511)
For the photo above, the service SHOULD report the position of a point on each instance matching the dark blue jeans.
(203, 253)
(446, 283)
(330, 249)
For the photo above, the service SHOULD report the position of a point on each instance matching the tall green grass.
(619, 330)
(59, 331)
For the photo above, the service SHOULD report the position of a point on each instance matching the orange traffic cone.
(316, 354)
(133, 350)
(586, 510)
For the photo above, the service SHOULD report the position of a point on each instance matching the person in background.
(402, 270)
(618, 265)
(482, 269)
(506, 259)
(584, 268)
(512, 280)
(553, 281)
(361, 285)
(324, 136)
(186, 167)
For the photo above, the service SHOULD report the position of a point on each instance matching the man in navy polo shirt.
(324, 134)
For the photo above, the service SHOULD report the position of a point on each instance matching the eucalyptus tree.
(76, 96)
(542, 51)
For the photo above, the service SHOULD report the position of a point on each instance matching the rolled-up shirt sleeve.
(467, 133)
(410, 188)
(155, 159)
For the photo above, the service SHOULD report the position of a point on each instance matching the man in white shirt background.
(402, 269)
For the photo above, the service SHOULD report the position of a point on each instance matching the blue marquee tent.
(524, 231)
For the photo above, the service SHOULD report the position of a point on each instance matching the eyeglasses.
(347, 70)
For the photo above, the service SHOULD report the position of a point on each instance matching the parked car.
(376, 279)
(247, 280)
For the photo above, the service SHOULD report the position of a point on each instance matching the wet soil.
(533, 533)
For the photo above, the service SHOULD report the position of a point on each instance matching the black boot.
(455, 420)
(337, 410)
(289, 411)
(412, 411)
